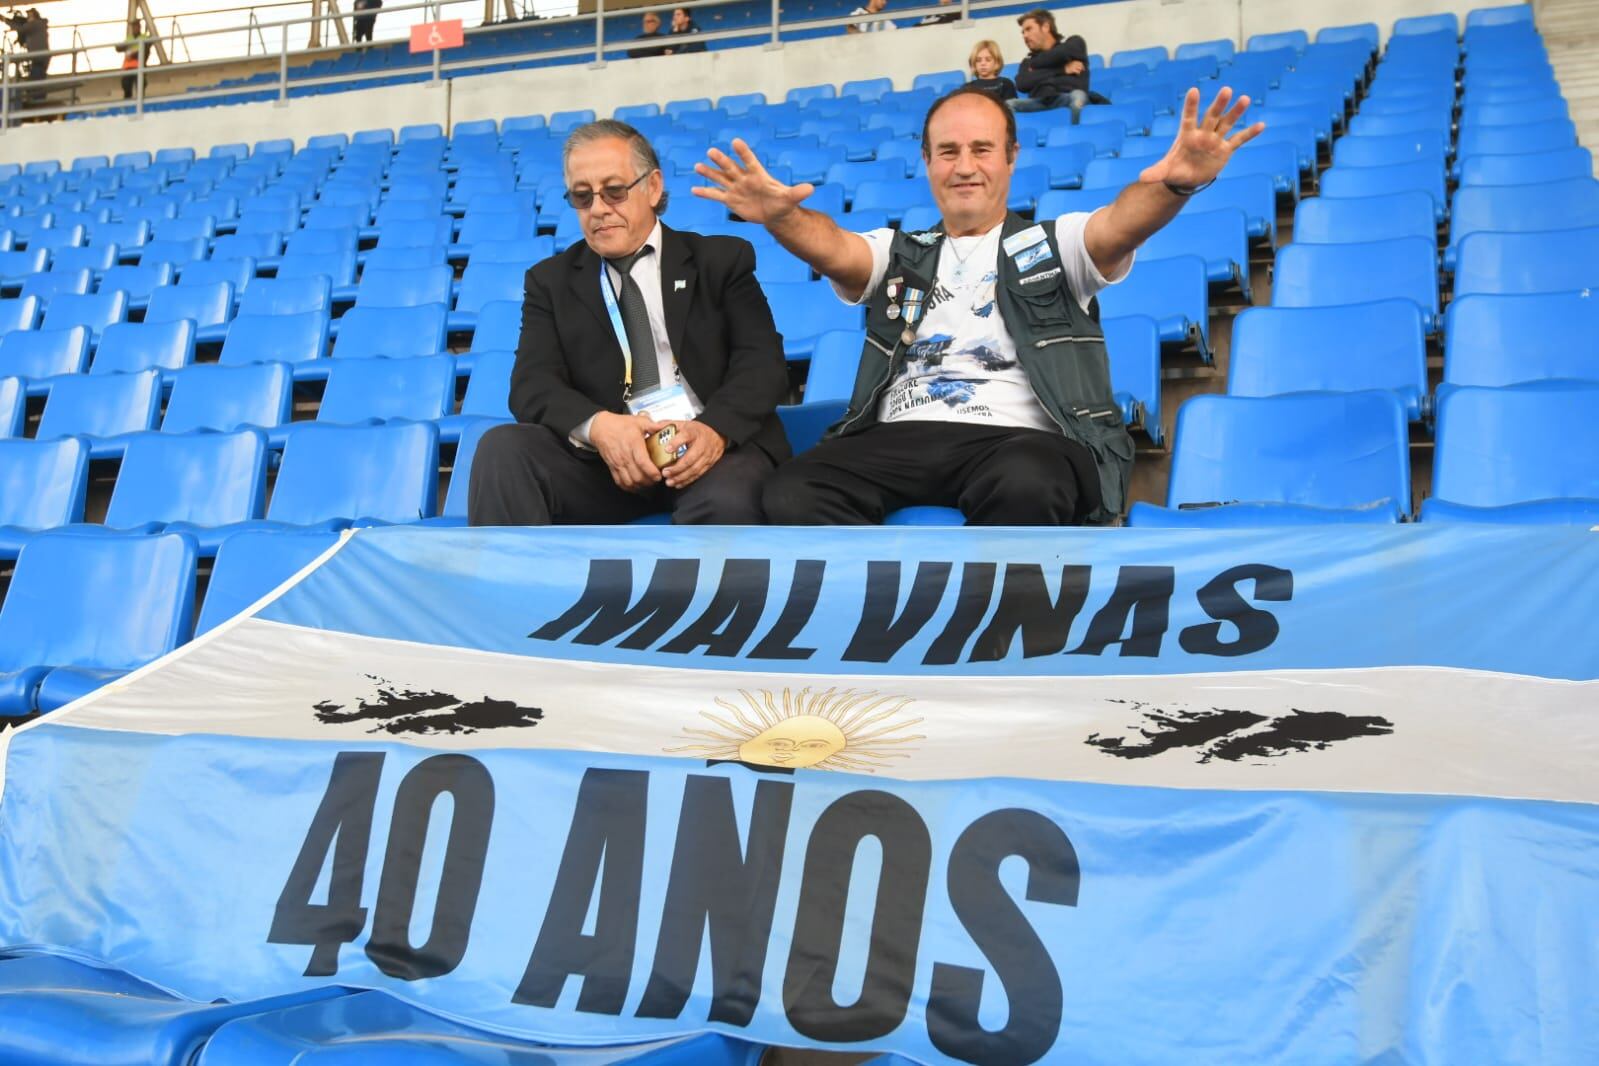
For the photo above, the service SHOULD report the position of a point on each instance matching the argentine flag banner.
(1078, 796)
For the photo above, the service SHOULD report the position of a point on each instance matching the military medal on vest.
(907, 295)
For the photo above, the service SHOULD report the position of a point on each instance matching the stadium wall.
(1108, 27)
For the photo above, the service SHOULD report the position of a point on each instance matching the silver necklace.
(960, 260)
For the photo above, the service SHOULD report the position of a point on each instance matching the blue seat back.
(1524, 168)
(209, 304)
(1504, 340)
(13, 407)
(835, 361)
(404, 288)
(1347, 181)
(1318, 275)
(101, 405)
(44, 353)
(391, 331)
(488, 391)
(484, 283)
(175, 252)
(338, 267)
(417, 389)
(499, 326)
(21, 264)
(1318, 449)
(387, 472)
(238, 271)
(1543, 261)
(1542, 206)
(217, 397)
(137, 281)
(110, 603)
(1500, 446)
(286, 296)
(269, 338)
(1307, 349)
(126, 347)
(207, 479)
(43, 483)
(1533, 137)
(522, 253)
(95, 310)
(1335, 220)
(455, 496)
(45, 287)
(805, 309)
(20, 313)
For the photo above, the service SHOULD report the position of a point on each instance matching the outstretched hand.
(746, 188)
(1202, 148)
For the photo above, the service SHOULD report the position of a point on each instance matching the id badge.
(665, 403)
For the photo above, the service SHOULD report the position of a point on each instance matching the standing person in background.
(364, 23)
(1055, 72)
(985, 63)
(942, 16)
(134, 50)
(872, 7)
(683, 26)
(33, 38)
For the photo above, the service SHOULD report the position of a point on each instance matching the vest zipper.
(1047, 341)
(877, 393)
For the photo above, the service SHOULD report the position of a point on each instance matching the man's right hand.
(620, 441)
(746, 187)
(1074, 66)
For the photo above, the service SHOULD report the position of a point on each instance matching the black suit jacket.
(569, 365)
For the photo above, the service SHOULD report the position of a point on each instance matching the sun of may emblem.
(849, 730)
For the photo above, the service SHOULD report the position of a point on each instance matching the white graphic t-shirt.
(962, 366)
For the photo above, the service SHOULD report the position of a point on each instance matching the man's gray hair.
(644, 157)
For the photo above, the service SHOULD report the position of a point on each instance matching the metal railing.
(19, 97)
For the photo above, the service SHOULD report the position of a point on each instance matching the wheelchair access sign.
(436, 36)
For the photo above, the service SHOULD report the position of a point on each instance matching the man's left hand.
(1201, 148)
(705, 447)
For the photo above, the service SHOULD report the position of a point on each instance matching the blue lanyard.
(609, 296)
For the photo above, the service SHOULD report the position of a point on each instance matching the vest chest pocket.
(1049, 315)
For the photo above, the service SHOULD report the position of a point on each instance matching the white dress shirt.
(646, 273)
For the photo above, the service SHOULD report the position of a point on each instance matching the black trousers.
(996, 476)
(526, 475)
(363, 27)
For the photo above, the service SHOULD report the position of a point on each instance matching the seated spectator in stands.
(364, 23)
(941, 16)
(652, 31)
(985, 63)
(683, 26)
(635, 329)
(1055, 72)
(984, 381)
(872, 7)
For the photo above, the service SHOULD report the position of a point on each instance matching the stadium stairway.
(1570, 29)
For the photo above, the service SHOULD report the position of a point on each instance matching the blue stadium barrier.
(1308, 458)
(82, 611)
(1280, 350)
(1521, 454)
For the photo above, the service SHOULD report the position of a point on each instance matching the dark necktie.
(636, 321)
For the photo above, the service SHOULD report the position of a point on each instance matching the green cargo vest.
(1059, 346)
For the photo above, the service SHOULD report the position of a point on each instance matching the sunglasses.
(583, 199)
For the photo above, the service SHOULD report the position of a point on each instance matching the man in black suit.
(638, 328)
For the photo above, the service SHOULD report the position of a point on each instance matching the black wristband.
(1187, 190)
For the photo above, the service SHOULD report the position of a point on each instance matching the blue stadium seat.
(389, 257)
(128, 347)
(1521, 454)
(286, 296)
(59, 236)
(1175, 292)
(13, 407)
(299, 338)
(1421, 25)
(251, 564)
(1547, 109)
(96, 311)
(1298, 40)
(869, 90)
(777, 265)
(336, 476)
(98, 259)
(1532, 137)
(1505, 340)
(368, 391)
(1544, 261)
(1308, 458)
(1505, 15)
(1308, 349)
(1350, 181)
(16, 265)
(1526, 168)
(805, 311)
(20, 313)
(467, 431)
(391, 331)
(82, 611)
(1105, 137)
(1132, 344)
(499, 329)
(192, 483)
(835, 360)
(894, 196)
(1319, 275)
(563, 122)
(45, 287)
(138, 282)
(524, 253)
(1572, 202)
(1253, 194)
(175, 252)
(237, 272)
(1114, 173)
(209, 306)
(1221, 49)
(1220, 238)
(185, 229)
(851, 175)
(43, 485)
(101, 407)
(32, 355)
(1355, 219)
(223, 398)
(488, 394)
(107, 1015)
(404, 288)
(338, 267)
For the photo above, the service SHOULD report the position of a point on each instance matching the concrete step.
(1570, 31)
